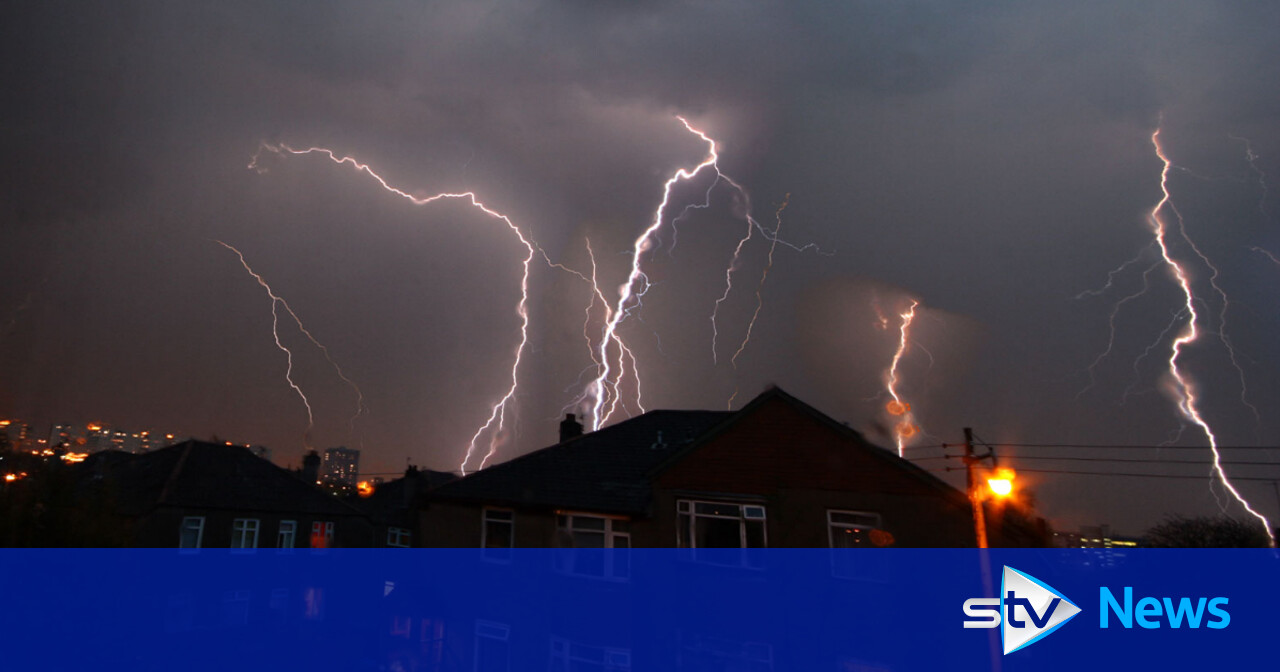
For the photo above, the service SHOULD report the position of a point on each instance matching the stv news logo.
(1028, 609)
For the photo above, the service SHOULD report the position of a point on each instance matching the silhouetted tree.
(1206, 532)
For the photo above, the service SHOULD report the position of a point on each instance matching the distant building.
(341, 466)
(1094, 536)
(64, 433)
(17, 434)
(776, 473)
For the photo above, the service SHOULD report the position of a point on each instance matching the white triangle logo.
(1031, 609)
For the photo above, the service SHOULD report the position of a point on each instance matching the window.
(492, 649)
(244, 533)
(569, 656)
(857, 530)
(399, 537)
(584, 531)
(191, 534)
(851, 529)
(497, 535)
(700, 652)
(235, 607)
(278, 605)
(321, 534)
(287, 537)
(721, 525)
(431, 644)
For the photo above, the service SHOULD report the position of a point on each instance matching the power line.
(1109, 446)
(1125, 474)
(1128, 460)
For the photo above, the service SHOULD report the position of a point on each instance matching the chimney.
(311, 467)
(569, 428)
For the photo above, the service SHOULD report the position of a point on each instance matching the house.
(206, 495)
(777, 473)
(393, 506)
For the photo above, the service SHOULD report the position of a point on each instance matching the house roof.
(611, 470)
(396, 502)
(606, 470)
(200, 475)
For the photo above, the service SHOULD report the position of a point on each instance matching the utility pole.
(979, 516)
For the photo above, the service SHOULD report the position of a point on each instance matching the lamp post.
(998, 485)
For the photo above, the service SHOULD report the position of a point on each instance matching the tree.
(1206, 532)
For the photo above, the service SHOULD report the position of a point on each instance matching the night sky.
(991, 160)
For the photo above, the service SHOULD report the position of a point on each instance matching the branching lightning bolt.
(276, 302)
(603, 394)
(764, 275)
(631, 292)
(496, 422)
(906, 428)
(1188, 402)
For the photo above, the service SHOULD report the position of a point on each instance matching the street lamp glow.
(1001, 483)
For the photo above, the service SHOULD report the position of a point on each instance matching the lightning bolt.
(1187, 400)
(764, 275)
(1269, 255)
(495, 424)
(1115, 311)
(632, 291)
(605, 391)
(906, 429)
(277, 302)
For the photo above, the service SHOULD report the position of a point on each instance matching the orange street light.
(1001, 483)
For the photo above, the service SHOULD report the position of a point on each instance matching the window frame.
(240, 529)
(689, 507)
(567, 654)
(292, 535)
(864, 566)
(611, 568)
(182, 528)
(322, 529)
(496, 632)
(402, 535)
(494, 553)
(832, 525)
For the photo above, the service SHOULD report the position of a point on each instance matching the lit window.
(321, 534)
(288, 536)
(244, 533)
(191, 533)
(498, 534)
(399, 537)
(583, 531)
(721, 525)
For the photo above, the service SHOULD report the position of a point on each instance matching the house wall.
(798, 467)
(161, 528)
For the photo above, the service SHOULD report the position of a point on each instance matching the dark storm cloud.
(991, 159)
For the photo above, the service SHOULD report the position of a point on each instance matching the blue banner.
(855, 610)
